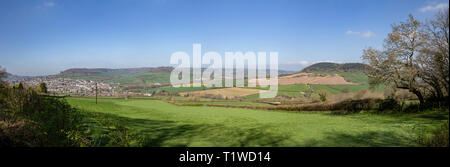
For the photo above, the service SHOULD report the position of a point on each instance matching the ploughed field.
(165, 124)
(310, 78)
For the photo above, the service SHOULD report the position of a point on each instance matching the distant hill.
(129, 78)
(335, 67)
(284, 72)
(14, 77)
(124, 76)
(94, 71)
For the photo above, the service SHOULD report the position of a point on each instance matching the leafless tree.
(415, 57)
(398, 63)
(3, 75)
(434, 60)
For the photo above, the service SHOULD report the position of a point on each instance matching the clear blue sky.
(39, 37)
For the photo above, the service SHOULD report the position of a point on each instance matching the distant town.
(73, 87)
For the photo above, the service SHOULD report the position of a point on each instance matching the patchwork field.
(173, 89)
(224, 92)
(165, 124)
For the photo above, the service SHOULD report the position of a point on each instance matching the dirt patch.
(225, 92)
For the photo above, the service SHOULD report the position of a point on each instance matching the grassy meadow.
(164, 124)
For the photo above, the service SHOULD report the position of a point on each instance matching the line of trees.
(415, 57)
(27, 118)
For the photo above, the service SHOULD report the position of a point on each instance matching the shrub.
(189, 104)
(42, 87)
(18, 133)
(2, 75)
(118, 134)
(354, 106)
(413, 107)
(323, 95)
(389, 104)
(28, 119)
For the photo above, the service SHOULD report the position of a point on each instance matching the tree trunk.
(420, 96)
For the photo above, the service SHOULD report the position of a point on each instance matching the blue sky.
(39, 37)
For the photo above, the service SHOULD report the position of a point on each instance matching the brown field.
(225, 92)
(310, 78)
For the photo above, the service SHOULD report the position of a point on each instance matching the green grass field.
(231, 103)
(169, 125)
(173, 89)
(143, 78)
(355, 77)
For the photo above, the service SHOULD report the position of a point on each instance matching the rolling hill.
(124, 76)
(14, 77)
(127, 76)
(325, 76)
(93, 71)
(352, 72)
(335, 67)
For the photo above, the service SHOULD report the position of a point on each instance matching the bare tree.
(3, 75)
(435, 57)
(398, 63)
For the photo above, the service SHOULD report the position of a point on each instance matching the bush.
(354, 106)
(28, 119)
(389, 104)
(18, 133)
(323, 95)
(42, 88)
(116, 133)
(189, 104)
(110, 131)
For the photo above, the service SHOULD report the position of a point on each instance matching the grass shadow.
(158, 133)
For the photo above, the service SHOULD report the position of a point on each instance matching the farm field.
(225, 92)
(165, 124)
(296, 89)
(308, 78)
(173, 89)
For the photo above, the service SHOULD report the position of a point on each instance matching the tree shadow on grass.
(256, 137)
(158, 133)
(436, 116)
(364, 139)
(402, 118)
